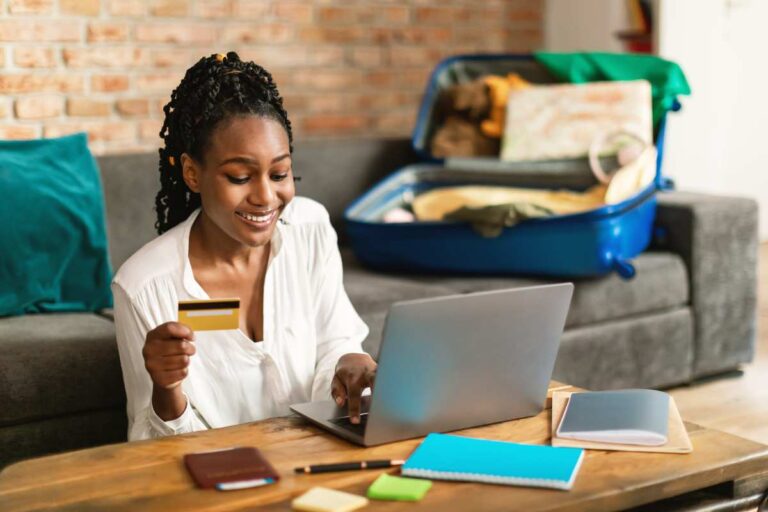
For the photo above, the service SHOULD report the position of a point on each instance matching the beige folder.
(678, 440)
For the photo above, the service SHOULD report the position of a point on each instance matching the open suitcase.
(584, 244)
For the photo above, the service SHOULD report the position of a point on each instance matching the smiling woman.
(229, 227)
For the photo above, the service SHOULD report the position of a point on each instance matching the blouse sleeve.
(339, 328)
(143, 422)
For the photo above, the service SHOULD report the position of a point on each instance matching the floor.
(737, 404)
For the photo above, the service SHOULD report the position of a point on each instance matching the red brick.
(344, 35)
(39, 106)
(412, 35)
(97, 130)
(486, 15)
(364, 14)
(251, 9)
(99, 32)
(109, 83)
(127, 7)
(158, 82)
(133, 107)
(325, 103)
(403, 56)
(327, 80)
(30, 6)
(176, 33)
(34, 57)
(149, 129)
(157, 107)
(366, 56)
(253, 33)
(19, 132)
(273, 57)
(80, 7)
(214, 8)
(293, 12)
(119, 57)
(524, 12)
(86, 107)
(168, 8)
(402, 79)
(325, 124)
(523, 40)
(39, 31)
(21, 83)
(440, 15)
(175, 58)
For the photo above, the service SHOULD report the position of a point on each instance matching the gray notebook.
(630, 416)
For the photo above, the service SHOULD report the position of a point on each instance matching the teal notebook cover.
(448, 457)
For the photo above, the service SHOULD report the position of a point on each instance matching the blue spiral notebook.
(448, 457)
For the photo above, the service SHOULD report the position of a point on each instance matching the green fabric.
(398, 488)
(666, 78)
(490, 221)
(53, 234)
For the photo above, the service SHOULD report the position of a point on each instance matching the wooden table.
(150, 475)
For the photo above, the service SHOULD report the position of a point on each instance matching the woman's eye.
(238, 181)
(279, 177)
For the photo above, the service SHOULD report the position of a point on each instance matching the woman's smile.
(258, 220)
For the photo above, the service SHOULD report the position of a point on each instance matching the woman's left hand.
(354, 373)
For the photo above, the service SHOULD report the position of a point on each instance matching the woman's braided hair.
(216, 88)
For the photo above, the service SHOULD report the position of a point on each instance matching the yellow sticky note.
(210, 315)
(322, 499)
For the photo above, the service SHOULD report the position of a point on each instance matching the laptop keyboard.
(344, 423)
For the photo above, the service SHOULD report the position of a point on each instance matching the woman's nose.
(262, 193)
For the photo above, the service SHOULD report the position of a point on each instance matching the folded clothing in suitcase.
(584, 243)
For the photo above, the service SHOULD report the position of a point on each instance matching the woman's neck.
(209, 245)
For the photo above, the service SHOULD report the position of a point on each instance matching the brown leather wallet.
(240, 467)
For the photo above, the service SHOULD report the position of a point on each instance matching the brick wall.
(345, 68)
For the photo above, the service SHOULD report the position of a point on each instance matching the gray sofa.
(689, 312)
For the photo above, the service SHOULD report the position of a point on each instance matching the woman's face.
(245, 180)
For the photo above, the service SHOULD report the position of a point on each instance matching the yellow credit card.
(210, 315)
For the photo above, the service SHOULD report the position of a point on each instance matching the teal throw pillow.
(53, 243)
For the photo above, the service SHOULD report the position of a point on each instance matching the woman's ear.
(190, 172)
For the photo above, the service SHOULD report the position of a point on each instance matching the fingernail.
(355, 419)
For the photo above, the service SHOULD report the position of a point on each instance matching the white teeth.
(256, 218)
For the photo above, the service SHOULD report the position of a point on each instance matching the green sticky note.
(388, 487)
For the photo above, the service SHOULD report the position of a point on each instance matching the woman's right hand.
(166, 352)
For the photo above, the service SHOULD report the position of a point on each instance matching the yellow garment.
(435, 204)
(498, 93)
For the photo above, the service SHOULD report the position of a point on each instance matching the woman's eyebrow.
(251, 161)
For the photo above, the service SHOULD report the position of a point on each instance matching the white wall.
(718, 143)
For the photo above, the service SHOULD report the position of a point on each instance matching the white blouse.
(309, 323)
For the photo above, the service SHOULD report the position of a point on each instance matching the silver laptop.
(456, 362)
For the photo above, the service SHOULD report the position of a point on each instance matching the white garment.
(309, 323)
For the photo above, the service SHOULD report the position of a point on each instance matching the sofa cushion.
(63, 433)
(130, 183)
(57, 364)
(54, 255)
(661, 283)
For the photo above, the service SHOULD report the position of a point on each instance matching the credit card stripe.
(226, 304)
(211, 312)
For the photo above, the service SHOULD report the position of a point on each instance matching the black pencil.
(349, 466)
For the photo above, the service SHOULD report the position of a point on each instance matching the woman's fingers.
(338, 391)
(354, 392)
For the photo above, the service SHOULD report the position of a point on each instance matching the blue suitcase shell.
(584, 244)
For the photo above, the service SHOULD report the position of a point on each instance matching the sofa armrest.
(717, 237)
